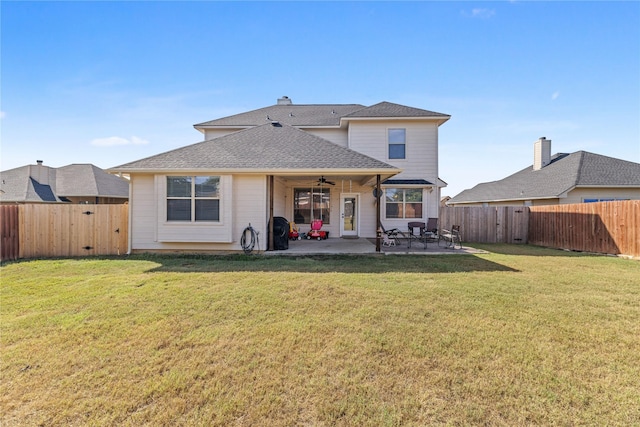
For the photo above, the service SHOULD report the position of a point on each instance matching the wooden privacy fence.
(68, 230)
(10, 240)
(603, 227)
(492, 224)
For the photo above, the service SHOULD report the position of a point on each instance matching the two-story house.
(349, 165)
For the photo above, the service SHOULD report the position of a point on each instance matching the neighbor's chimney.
(541, 153)
(284, 101)
(40, 173)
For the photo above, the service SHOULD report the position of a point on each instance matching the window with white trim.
(193, 198)
(397, 139)
(403, 203)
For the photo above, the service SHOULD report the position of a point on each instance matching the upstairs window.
(193, 198)
(397, 143)
(403, 203)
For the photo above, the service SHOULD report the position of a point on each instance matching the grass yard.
(519, 336)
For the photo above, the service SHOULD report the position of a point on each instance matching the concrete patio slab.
(334, 246)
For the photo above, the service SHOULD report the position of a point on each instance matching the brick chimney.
(285, 100)
(541, 153)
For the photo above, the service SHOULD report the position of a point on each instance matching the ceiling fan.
(323, 180)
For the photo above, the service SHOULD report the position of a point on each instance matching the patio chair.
(391, 234)
(431, 229)
(449, 238)
(421, 236)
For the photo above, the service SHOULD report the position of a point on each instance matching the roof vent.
(39, 162)
(276, 124)
(285, 100)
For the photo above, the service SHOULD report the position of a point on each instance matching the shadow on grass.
(528, 250)
(323, 263)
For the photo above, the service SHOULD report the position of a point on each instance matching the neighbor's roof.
(269, 147)
(18, 186)
(89, 180)
(300, 115)
(24, 184)
(562, 174)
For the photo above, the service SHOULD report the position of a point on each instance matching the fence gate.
(492, 224)
(72, 230)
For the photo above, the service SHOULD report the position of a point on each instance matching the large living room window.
(403, 203)
(397, 143)
(193, 198)
(310, 204)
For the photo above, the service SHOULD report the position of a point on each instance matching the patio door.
(349, 208)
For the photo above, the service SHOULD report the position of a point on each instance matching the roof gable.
(272, 146)
(389, 109)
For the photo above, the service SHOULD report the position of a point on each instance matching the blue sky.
(111, 82)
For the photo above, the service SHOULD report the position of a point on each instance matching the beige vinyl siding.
(217, 133)
(206, 232)
(250, 207)
(143, 212)
(370, 138)
(242, 201)
(579, 194)
(279, 199)
(337, 136)
(421, 162)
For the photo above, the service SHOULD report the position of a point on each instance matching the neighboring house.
(579, 177)
(324, 162)
(76, 183)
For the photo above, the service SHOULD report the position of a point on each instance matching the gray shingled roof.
(291, 114)
(89, 180)
(277, 147)
(563, 173)
(388, 109)
(18, 186)
(83, 180)
(320, 114)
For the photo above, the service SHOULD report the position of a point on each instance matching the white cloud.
(555, 95)
(117, 141)
(138, 141)
(480, 13)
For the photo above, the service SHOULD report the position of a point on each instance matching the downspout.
(378, 231)
(130, 225)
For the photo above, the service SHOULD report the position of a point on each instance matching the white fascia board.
(279, 172)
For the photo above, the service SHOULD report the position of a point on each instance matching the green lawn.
(519, 336)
